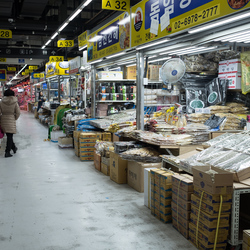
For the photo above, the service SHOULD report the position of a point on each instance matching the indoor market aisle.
(50, 200)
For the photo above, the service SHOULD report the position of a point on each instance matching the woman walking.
(9, 113)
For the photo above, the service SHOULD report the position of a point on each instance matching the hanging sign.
(122, 5)
(172, 16)
(56, 58)
(24, 73)
(27, 71)
(2, 74)
(82, 39)
(74, 65)
(65, 43)
(5, 34)
(37, 75)
(2, 59)
(33, 67)
(56, 68)
(112, 38)
(11, 68)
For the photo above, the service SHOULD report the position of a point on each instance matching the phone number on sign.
(199, 17)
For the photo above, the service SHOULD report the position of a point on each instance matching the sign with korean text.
(112, 38)
(65, 43)
(33, 67)
(2, 59)
(5, 33)
(2, 74)
(11, 68)
(122, 5)
(82, 39)
(56, 58)
(37, 75)
(154, 19)
(74, 65)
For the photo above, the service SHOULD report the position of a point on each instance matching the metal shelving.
(115, 80)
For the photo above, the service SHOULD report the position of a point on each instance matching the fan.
(172, 70)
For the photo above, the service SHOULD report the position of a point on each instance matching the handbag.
(1, 133)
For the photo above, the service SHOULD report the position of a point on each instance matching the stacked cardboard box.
(105, 165)
(211, 187)
(182, 188)
(97, 161)
(161, 195)
(246, 240)
(106, 136)
(76, 136)
(87, 145)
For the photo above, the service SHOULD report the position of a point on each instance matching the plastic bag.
(1, 133)
(214, 92)
(245, 72)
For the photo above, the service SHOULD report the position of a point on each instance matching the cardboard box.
(166, 202)
(65, 142)
(106, 136)
(181, 193)
(97, 161)
(242, 175)
(106, 161)
(221, 183)
(105, 169)
(234, 80)
(131, 73)
(87, 154)
(210, 209)
(84, 144)
(90, 140)
(181, 212)
(100, 113)
(118, 168)
(165, 181)
(246, 236)
(208, 219)
(245, 246)
(86, 158)
(212, 198)
(207, 240)
(180, 219)
(110, 75)
(183, 181)
(230, 66)
(76, 134)
(136, 174)
(209, 232)
(86, 150)
(153, 72)
(90, 135)
(102, 106)
(181, 203)
(166, 193)
(166, 218)
(165, 210)
(180, 228)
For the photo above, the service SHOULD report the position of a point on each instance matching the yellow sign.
(56, 68)
(24, 73)
(33, 67)
(2, 59)
(56, 58)
(5, 34)
(65, 43)
(123, 5)
(38, 75)
(11, 68)
(112, 38)
(181, 15)
(82, 39)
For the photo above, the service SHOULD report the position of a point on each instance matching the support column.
(93, 73)
(139, 91)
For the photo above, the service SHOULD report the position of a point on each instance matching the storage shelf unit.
(115, 80)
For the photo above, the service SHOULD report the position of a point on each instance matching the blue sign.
(21, 60)
(110, 36)
(154, 9)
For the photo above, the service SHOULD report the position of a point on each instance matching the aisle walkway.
(50, 200)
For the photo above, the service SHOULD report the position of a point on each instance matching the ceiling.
(33, 22)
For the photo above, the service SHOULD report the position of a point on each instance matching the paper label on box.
(203, 110)
(165, 21)
(154, 26)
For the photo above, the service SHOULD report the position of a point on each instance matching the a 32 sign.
(122, 5)
(65, 43)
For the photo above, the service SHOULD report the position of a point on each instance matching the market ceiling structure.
(33, 22)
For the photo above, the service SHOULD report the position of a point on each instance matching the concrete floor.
(50, 200)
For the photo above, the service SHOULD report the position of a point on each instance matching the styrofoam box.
(230, 66)
(54, 135)
(110, 75)
(234, 80)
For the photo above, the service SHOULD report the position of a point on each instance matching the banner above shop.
(74, 65)
(112, 38)
(155, 19)
(56, 68)
(82, 39)
(122, 5)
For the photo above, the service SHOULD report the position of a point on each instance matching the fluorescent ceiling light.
(83, 47)
(232, 36)
(152, 56)
(48, 42)
(95, 39)
(173, 51)
(109, 30)
(115, 55)
(54, 35)
(119, 68)
(197, 50)
(160, 59)
(131, 65)
(97, 61)
(124, 21)
(122, 63)
(152, 44)
(87, 3)
(248, 41)
(182, 52)
(64, 25)
(43, 47)
(219, 23)
(75, 14)
(237, 38)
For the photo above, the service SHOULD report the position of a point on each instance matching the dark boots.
(7, 154)
(14, 148)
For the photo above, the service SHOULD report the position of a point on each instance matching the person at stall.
(41, 100)
(9, 113)
(78, 102)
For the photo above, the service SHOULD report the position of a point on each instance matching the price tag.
(154, 26)
(56, 58)
(65, 43)
(122, 5)
(165, 21)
